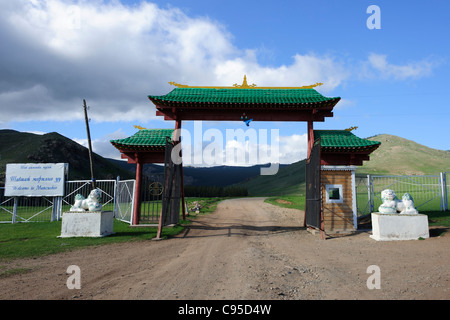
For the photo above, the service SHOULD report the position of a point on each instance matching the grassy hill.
(288, 180)
(399, 156)
(395, 156)
(22, 147)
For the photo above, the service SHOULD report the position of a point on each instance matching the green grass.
(23, 240)
(289, 201)
(438, 218)
(35, 239)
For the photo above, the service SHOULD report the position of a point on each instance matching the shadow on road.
(229, 230)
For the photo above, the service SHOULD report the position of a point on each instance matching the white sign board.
(35, 179)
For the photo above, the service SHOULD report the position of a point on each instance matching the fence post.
(369, 193)
(57, 207)
(443, 191)
(14, 217)
(54, 208)
(116, 195)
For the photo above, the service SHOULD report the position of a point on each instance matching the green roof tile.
(302, 97)
(342, 139)
(145, 139)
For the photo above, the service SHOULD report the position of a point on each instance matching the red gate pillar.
(310, 145)
(310, 136)
(137, 193)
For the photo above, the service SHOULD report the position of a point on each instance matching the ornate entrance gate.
(151, 198)
(313, 212)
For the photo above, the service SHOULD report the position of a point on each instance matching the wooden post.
(89, 144)
(137, 192)
(178, 134)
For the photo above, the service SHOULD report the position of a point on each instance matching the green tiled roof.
(146, 139)
(211, 96)
(343, 140)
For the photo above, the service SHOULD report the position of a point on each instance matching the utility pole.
(89, 143)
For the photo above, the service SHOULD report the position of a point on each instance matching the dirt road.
(247, 249)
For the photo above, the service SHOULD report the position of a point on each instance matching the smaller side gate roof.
(144, 140)
(145, 146)
(342, 147)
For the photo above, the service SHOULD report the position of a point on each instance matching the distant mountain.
(218, 176)
(22, 147)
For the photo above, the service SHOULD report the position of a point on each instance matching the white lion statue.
(408, 205)
(391, 204)
(92, 203)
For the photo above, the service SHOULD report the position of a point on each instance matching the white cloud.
(305, 70)
(378, 66)
(103, 146)
(56, 53)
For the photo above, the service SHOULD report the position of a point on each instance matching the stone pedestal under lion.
(86, 218)
(398, 219)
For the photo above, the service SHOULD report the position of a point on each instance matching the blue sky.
(55, 53)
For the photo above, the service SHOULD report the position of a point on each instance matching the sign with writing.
(35, 179)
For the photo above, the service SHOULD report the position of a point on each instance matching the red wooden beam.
(137, 193)
(343, 159)
(310, 137)
(144, 156)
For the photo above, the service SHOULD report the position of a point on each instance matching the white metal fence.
(117, 196)
(124, 200)
(430, 192)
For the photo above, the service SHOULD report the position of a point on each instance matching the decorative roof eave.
(329, 104)
(131, 148)
(362, 150)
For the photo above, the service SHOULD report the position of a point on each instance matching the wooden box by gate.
(338, 198)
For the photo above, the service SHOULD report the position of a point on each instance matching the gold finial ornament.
(244, 85)
(139, 127)
(351, 129)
